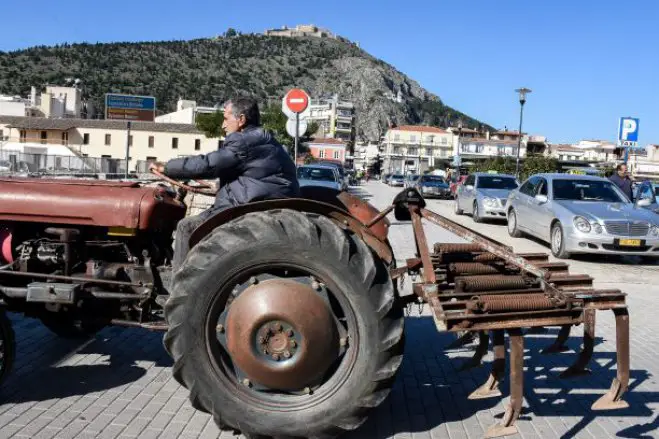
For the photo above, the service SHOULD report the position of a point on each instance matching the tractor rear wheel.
(281, 323)
(7, 346)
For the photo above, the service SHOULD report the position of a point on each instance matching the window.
(315, 173)
(543, 187)
(151, 159)
(197, 144)
(396, 149)
(444, 141)
(321, 153)
(428, 151)
(23, 135)
(151, 141)
(411, 151)
(412, 137)
(486, 182)
(470, 180)
(85, 139)
(336, 154)
(587, 190)
(44, 136)
(108, 139)
(396, 137)
(174, 142)
(529, 188)
(65, 138)
(219, 144)
(1, 134)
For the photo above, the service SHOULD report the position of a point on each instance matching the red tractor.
(284, 319)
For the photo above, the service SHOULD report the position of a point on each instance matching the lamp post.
(522, 100)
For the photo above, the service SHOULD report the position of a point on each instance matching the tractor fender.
(342, 216)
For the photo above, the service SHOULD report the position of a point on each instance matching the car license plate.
(630, 242)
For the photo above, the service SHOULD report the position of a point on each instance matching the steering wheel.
(200, 188)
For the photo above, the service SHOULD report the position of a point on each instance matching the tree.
(231, 32)
(211, 124)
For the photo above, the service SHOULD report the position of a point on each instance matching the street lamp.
(522, 100)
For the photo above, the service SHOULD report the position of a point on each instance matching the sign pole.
(297, 134)
(127, 146)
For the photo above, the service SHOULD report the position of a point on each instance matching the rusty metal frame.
(547, 296)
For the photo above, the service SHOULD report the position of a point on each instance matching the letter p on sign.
(629, 129)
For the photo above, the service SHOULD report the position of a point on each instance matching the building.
(55, 102)
(411, 148)
(103, 141)
(328, 149)
(335, 118)
(590, 151)
(186, 112)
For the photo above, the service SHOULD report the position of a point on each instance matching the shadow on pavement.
(106, 361)
(430, 390)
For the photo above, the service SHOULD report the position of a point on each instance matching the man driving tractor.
(251, 166)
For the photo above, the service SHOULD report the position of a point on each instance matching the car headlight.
(582, 224)
(489, 202)
(654, 230)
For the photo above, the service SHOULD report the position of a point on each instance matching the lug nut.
(261, 339)
(275, 357)
(247, 382)
(315, 285)
(220, 328)
(287, 354)
(343, 341)
(253, 280)
(293, 343)
(277, 327)
(307, 390)
(289, 332)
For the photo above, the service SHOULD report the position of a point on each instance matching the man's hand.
(157, 166)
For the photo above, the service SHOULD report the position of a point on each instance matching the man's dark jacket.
(623, 183)
(251, 166)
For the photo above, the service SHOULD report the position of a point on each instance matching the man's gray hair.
(247, 107)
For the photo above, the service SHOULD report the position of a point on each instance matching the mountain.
(212, 70)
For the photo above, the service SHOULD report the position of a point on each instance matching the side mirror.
(542, 198)
(644, 202)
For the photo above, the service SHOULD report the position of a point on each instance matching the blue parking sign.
(628, 130)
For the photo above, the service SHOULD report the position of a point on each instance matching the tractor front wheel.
(281, 323)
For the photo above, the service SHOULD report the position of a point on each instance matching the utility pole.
(127, 147)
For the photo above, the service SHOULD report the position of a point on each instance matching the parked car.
(485, 195)
(411, 179)
(433, 186)
(647, 191)
(582, 214)
(397, 180)
(319, 175)
(344, 179)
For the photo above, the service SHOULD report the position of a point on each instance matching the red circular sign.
(297, 100)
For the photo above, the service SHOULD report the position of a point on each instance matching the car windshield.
(586, 190)
(318, 174)
(397, 176)
(432, 178)
(496, 183)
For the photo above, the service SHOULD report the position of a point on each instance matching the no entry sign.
(296, 100)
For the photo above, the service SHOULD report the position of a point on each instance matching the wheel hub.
(282, 334)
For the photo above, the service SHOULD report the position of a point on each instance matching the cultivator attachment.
(483, 287)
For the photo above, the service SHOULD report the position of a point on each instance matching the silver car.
(319, 175)
(485, 195)
(582, 214)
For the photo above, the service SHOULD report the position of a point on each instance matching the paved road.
(119, 384)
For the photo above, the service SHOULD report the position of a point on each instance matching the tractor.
(285, 318)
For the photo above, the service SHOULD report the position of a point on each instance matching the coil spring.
(523, 302)
(485, 257)
(496, 282)
(472, 268)
(457, 248)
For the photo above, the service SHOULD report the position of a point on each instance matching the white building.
(335, 118)
(412, 148)
(599, 151)
(55, 102)
(186, 112)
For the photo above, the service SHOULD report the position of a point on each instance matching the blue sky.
(587, 62)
